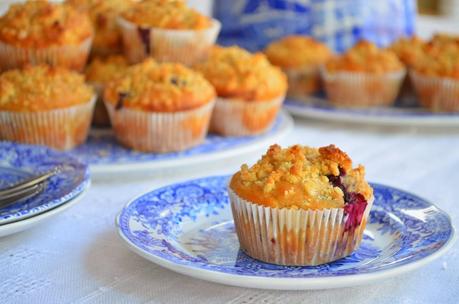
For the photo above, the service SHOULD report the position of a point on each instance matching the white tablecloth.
(77, 257)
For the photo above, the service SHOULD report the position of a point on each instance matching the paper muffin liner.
(61, 129)
(184, 46)
(359, 89)
(73, 57)
(100, 117)
(294, 237)
(235, 117)
(160, 132)
(437, 94)
(303, 82)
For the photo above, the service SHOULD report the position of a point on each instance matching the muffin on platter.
(436, 77)
(104, 14)
(159, 107)
(99, 72)
(364, 76)
(39, 32)
(167, 30)
(300, 58)
(300, 205)
(250, 91)
(46, 106)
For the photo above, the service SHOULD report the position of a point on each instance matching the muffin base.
(436, 93)
(303, 82)
(354, 89)
(184, 46)
(160, 132)
(233, 117)
(73, 57)
(61, 129)
(294, 237)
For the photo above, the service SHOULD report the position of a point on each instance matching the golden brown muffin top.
(166, 14)
(41, 24)
(102, 70)
(408, 49)
(103, 14)
(301, 177)
(365, 57)
(42, 88)
(236, 73)
(165, 87)
(297, 51)
(440, 59)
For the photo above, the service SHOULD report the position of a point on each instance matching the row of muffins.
(366, 75)
(154, 107)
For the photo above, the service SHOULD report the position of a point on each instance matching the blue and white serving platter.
(188, 228)
(399, 115)
(105, 155)
(19, 162)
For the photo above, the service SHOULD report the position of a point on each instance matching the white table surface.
(78, 257)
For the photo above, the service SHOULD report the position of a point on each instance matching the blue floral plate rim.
(200, 270)
(21, 160)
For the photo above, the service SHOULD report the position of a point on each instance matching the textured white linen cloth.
(77, 257)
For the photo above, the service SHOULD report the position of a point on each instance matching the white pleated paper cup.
(437, 94)
(360, 89)
(158, 131)
(294, 237)
(235, 117)
(303, 82)
(100, 117)
(183, 46)
(61, 129)
(73, 57)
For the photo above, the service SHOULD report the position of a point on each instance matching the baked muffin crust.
(301, 177)
(42, 88)
(102, 70)
(166, 14)
(408, 49)
(440, 58)
(365, 57)
(236, 73)
(297, 51)
(166, 87)
(40, 24)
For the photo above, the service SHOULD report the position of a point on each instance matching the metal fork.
(25, 189)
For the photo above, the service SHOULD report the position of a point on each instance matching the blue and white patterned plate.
(105, 155)
(317, 107)
(188, 228)
(18, 161)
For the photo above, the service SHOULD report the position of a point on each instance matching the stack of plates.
(19, 162)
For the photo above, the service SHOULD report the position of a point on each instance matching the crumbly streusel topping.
(408, 49)
(297, 51)
(237, 73)
(103, 70)
(166, 87)
(365, 57)
(300, 177)
(167, 14)
(42, 88)
(42, 24)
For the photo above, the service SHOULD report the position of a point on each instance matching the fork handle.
(27, 183)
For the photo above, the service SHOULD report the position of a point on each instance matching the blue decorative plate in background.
(401, 114)
(18, 162)
(188, 228)
(105, 155)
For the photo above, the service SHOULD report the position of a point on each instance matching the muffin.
(104, 14)
(436, 77)
(45, 105)
(364, 76)
(159, 107)
(167, 30)
(38, 32)
(98, 73)
(250, 91)
(300, 58)
(300, 206)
